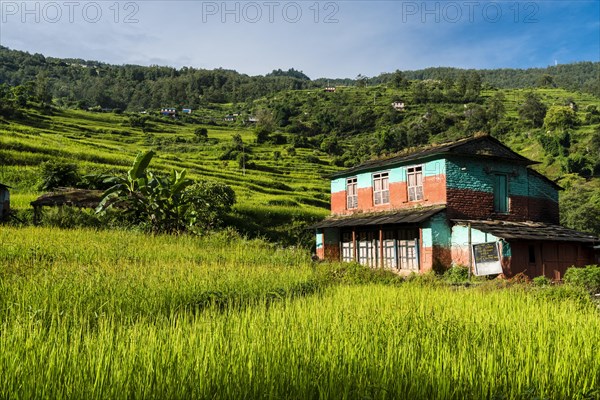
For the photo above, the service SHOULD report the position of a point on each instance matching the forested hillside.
(82, 83)
(274, 138)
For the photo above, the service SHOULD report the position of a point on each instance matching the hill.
(77, 83)
(276, 165)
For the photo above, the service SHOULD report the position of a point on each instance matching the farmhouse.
(432, 208)
(168, 112)
(398, 105)
(4, 201)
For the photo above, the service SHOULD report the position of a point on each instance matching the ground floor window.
(399, 249)
(347, 247)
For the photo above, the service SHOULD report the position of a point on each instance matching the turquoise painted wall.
(365, 180)
(331, 235)
(470, 174)
(338, 185)
(437, 232)
(396, 174)
(460, 236)
(319, 238)
(464, 173)
(541, 188)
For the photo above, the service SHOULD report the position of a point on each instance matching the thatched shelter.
(81, 198)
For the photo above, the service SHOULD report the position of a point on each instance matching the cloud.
(333, 39)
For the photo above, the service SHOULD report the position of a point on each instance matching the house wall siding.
(470, 192)
(434, 189)
(328, 244)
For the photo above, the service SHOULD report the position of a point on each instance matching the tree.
(42, 91)
(138, 121)
(495, 107)
(361, 80)
(532, 111)
(209, 202)
(398, 80)
(201, 134)
(331, 145)
(476, 118)
(560, 117)
(546, 80)
(580, 209)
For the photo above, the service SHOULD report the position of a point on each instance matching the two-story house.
(425, 209)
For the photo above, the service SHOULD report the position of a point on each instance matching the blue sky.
(322, 38)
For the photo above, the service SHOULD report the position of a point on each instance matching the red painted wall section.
(331, 252)
(426, 259)
(434, 192)
(320, 253)
(460, 255)
(338, 203)
(365, 200)
(398, 194)
(441, 257)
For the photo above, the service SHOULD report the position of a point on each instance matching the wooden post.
(470, 252)
(35, 215)
(354, 249)
(381, 247)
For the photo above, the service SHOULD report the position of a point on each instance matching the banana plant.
(148, 198)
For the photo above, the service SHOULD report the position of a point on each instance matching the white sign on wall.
(486, 258)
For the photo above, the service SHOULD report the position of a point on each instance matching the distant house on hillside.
(329, 89)
(252, 120)
(168, 112)
(472, 202)
(4, 201)
(230, 118)
(187, 111)
(398, 105)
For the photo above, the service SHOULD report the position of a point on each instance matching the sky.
(333, 39)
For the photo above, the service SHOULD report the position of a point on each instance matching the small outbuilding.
(4, 201)
(80, 198)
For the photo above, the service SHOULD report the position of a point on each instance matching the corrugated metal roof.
(409, 216)
(530, 231)
(473, 146)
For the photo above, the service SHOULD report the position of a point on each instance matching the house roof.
(482, 146)
(3, 186)
(408, 216)
(530, 231)
(70, 197)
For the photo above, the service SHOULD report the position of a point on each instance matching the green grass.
(87, 314)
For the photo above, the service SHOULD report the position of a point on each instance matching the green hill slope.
(277, 166)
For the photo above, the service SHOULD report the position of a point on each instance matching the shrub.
(541, 281)
(587, 278)
(58, 174)
(201, 134)
(457, 274)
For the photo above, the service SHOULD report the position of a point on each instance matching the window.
(500, 193)
(414, 179)
(351, 193)
(381, 188)
(408, 249)
(347, 247)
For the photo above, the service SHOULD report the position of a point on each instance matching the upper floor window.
(351, 193)
(414, 179)
(500, 193)
(381, 188)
